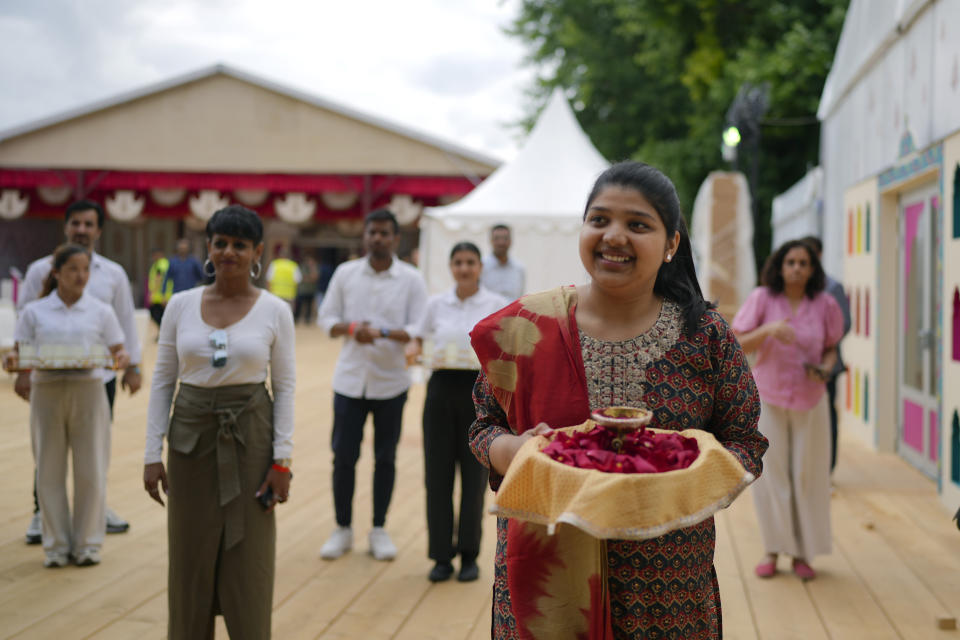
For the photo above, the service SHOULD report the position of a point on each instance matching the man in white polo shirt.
(501, 273)
(108, 282)
(374, 302)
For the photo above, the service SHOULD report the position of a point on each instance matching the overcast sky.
(440, 66)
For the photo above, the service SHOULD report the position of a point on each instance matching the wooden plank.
(909, 606)
(738, 619)
(782, 607)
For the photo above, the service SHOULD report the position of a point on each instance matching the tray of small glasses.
(60, 356)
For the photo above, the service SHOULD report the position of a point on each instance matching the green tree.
(652, 80)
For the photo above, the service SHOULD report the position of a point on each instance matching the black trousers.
(111, 389)
(303, 305)
(349, 416)
(831, 400)
(156, 312)
(448, 413)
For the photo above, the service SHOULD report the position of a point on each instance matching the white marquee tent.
(540, 195)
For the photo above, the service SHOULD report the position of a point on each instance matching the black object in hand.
(266, 498)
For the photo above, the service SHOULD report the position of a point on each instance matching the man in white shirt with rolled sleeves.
(375, 302)
(108, 283)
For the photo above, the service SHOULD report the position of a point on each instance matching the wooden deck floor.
(894, 572)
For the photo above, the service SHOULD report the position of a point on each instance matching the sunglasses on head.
(218, 340)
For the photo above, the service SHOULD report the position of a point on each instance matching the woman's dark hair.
(677, 279)
(465, 246)
(236, 221)
(60, 256)
(772, 274)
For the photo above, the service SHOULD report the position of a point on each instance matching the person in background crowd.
(69, 410)
(501, 273)
(835, 289)
(283, 276)
(794, 327)
(374, 303)
(230, 449)
(157, 294)
(108, 283)
(306, 288)
(638, 334)
(448, 413)
(326, 269)
(184, 270)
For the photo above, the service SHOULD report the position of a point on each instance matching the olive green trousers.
(222, 543)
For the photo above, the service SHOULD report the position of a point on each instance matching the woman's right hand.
(504, 448)
(154, 476)
(782, 331)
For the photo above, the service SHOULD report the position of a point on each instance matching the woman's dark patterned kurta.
(665, 587)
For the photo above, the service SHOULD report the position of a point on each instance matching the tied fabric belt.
(209, 418)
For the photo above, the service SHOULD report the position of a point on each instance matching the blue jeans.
(349, 416)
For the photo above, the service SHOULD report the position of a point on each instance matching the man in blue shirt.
(184, 271)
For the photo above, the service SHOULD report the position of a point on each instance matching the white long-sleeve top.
(108, 283)
(262, 339)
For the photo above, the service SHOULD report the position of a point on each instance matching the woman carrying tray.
(448, 413)
(230, 442)
(68, 406)
(639, 334)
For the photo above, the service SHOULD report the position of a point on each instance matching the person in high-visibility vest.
(159, 295)
(283, 276)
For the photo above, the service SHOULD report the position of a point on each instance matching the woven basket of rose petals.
(615, 478)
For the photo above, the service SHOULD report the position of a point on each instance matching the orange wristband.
(352, 328)
(277, 467)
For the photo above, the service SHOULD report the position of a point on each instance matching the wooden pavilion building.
(163, 158)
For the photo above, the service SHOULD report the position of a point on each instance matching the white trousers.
(792, 496)
(71, 415)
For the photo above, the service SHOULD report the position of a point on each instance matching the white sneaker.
(88, 558)
(381, 546)
(339, 542)
(55, 560)
(35, 530)
(116, 524)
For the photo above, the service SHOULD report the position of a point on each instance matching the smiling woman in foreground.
(638, 334)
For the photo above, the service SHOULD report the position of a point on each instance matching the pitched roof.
(270, 85)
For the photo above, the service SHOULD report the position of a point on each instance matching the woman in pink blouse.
(794, 327)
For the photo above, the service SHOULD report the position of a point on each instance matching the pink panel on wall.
(956, 324)
(856, 312)
(934, 432)
(912, 219)
(913, 425)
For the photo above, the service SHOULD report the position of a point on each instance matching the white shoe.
(381, 546)
(55, 560)
(35, 530)
(116, 524)
(88, 558)
(339, 542)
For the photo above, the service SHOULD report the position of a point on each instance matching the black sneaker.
(469, 571)
(441, 572)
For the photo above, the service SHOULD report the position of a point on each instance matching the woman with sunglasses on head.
(68, 406)
(230, 442)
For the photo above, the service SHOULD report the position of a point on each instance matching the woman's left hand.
(279, 481)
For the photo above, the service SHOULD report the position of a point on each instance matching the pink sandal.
(766, 569)
(803, 570)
